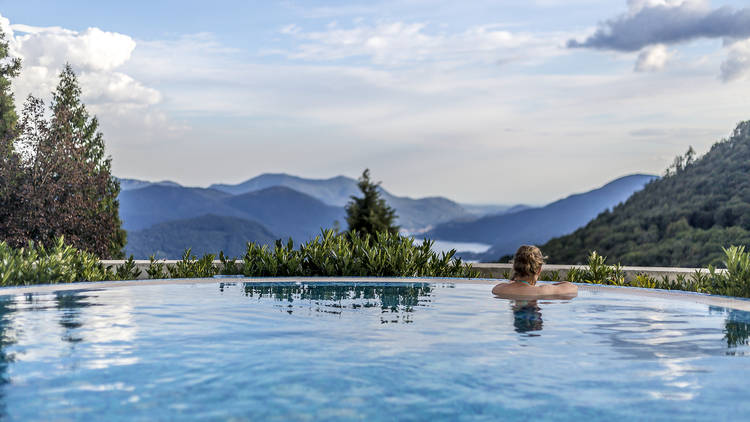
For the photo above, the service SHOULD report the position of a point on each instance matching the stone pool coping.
(712, 300)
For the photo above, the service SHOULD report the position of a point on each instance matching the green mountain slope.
(682, 219)
(204, 234)
(537, 225)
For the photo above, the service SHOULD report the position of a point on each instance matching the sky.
(515, 101)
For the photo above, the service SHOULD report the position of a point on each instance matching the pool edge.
(712, 300)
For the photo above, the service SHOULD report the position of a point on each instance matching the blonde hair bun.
(527, 261)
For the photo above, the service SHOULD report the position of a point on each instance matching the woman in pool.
(527, 267)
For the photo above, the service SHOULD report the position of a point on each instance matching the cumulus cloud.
(92, 49)
(95, 54)
(398, 43)
(652, 22)
(737, 64)
(653, 58)
(649, 26)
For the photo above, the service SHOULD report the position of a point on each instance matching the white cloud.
(653, 58)
(94, 54)
(650, 25)
(90, 50)
(635, 6)
(416, 101)
(737, 64)
(118, 88)
(98, 57)
(401, 43)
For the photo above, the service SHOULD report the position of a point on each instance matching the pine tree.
(64, 187)
(71, 122)
(9, 160)
(370, 214)
(9, 69)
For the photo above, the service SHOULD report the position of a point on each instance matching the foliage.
(128, 270)
(354, 254)
(9, 69)
(59, 184)
(192, 267)
(682, 219)
(60, 263)
(229, 266)
(598, 272)
(370, 214)
(550, 276)
(735, 281)
(156, 269)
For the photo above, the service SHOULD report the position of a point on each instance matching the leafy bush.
(61, 263)
(330, 254)
(598, 272)
(550, 276)
(192, 267)
(735, 281)
(156, 269)
(352, 254)
(128, 270)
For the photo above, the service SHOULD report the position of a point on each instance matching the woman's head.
(527, 262)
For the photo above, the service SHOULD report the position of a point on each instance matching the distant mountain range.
(282, 211)
(414, 215)
(334, 191)
(204, 234)
(284, 205)
(505, 232)
(130, 184)
(166, 217)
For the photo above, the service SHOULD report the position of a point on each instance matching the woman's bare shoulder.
(508, 287)
(552, 291)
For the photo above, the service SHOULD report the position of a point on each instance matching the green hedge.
(330, 254)
(60, 263)
(735, 281)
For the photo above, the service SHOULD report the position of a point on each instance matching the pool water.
(363, 351)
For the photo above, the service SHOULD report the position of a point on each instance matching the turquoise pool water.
(345, 351)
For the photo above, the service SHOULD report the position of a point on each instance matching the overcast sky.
(483, 101)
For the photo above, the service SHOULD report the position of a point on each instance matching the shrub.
(60, 263)
(353, 254)
(598, 272)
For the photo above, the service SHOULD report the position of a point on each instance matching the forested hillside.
(683, 219)
(537, 225)
(204, 234)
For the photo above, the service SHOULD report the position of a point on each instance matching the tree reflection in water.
(7, 338)
(69, 304)
(736, 328)
(396, 301)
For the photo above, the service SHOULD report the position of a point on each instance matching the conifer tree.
(9, 160)
(64, 187)
(9, 69)
(72, 123)
(370, 213)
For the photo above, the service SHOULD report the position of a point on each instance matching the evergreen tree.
(9, 160)
(64, 187)
(9, 69)
(72, 122)
(370, 213)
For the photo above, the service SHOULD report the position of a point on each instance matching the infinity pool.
(365, 351)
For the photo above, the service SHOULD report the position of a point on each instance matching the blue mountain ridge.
(505, 232)
(283, 211)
